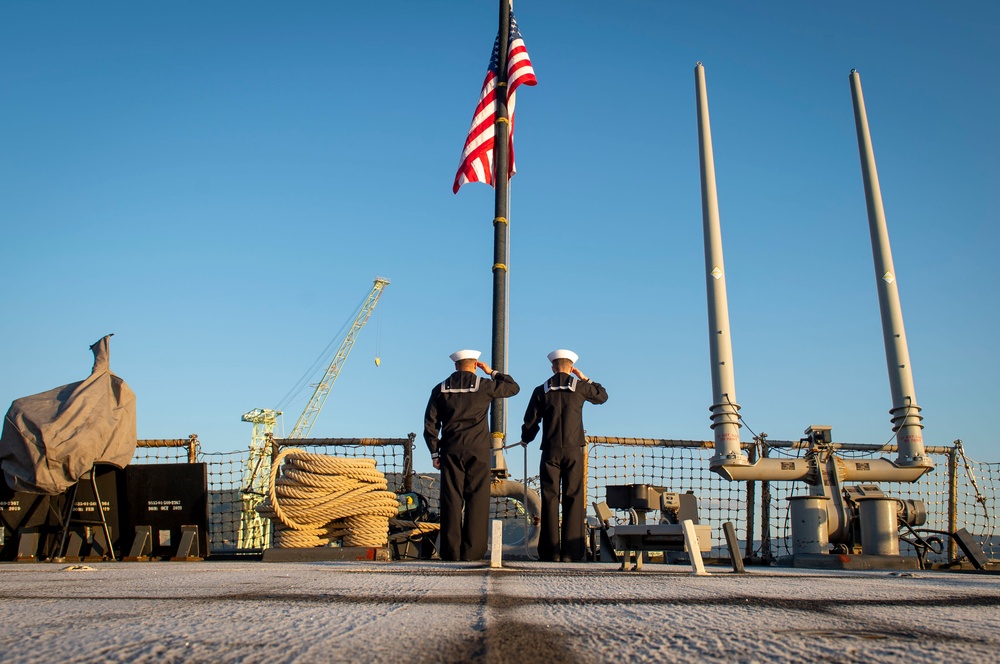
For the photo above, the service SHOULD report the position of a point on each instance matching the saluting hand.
(579, 374)
(485, 367)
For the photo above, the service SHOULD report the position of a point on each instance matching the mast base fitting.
(734, 459)
(913, 462)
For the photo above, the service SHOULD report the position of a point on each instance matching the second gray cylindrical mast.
(725, 410)
(905, 412)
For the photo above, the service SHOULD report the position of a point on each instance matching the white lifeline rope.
(319, 498)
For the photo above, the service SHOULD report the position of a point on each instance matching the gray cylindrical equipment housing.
(877, 517)
(810, 530)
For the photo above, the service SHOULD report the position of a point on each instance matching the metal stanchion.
(524, 483)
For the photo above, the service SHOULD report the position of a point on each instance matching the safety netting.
(959, 492)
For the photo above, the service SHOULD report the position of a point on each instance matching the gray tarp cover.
(51, 439)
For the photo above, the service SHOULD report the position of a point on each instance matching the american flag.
(477, 156)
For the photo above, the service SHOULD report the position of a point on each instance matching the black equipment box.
(640, 497)
(166, 497)
(111, 486)
(85, 519)
(23, 511)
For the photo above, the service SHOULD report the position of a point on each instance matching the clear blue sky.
(218, 183)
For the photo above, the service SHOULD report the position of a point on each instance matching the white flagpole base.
(496, 544)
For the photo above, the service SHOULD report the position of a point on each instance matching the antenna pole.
(906, 417)
(725, 411)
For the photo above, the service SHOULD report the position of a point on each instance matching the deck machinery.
(833, 513)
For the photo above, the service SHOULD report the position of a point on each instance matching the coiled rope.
(319, 499)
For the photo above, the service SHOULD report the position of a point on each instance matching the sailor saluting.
(558, 405)
(458, 408)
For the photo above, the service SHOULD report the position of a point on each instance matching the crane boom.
(305, 422)
(254, 533)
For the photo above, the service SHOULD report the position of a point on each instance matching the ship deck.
(527, 612)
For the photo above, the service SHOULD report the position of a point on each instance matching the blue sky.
(218, 184)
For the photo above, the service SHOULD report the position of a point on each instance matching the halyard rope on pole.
(318, 499)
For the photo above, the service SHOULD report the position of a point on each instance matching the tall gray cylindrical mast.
(725, 410)
(905, 412)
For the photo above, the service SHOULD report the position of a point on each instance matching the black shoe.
(567, 559)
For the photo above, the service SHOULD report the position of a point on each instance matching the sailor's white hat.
(562, 353)
(465, 355)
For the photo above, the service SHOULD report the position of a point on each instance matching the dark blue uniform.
(458, 408)
(558, 405)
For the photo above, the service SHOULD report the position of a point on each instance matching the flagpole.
(501, 236)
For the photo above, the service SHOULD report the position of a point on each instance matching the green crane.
(254, 533)
(308, 417)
